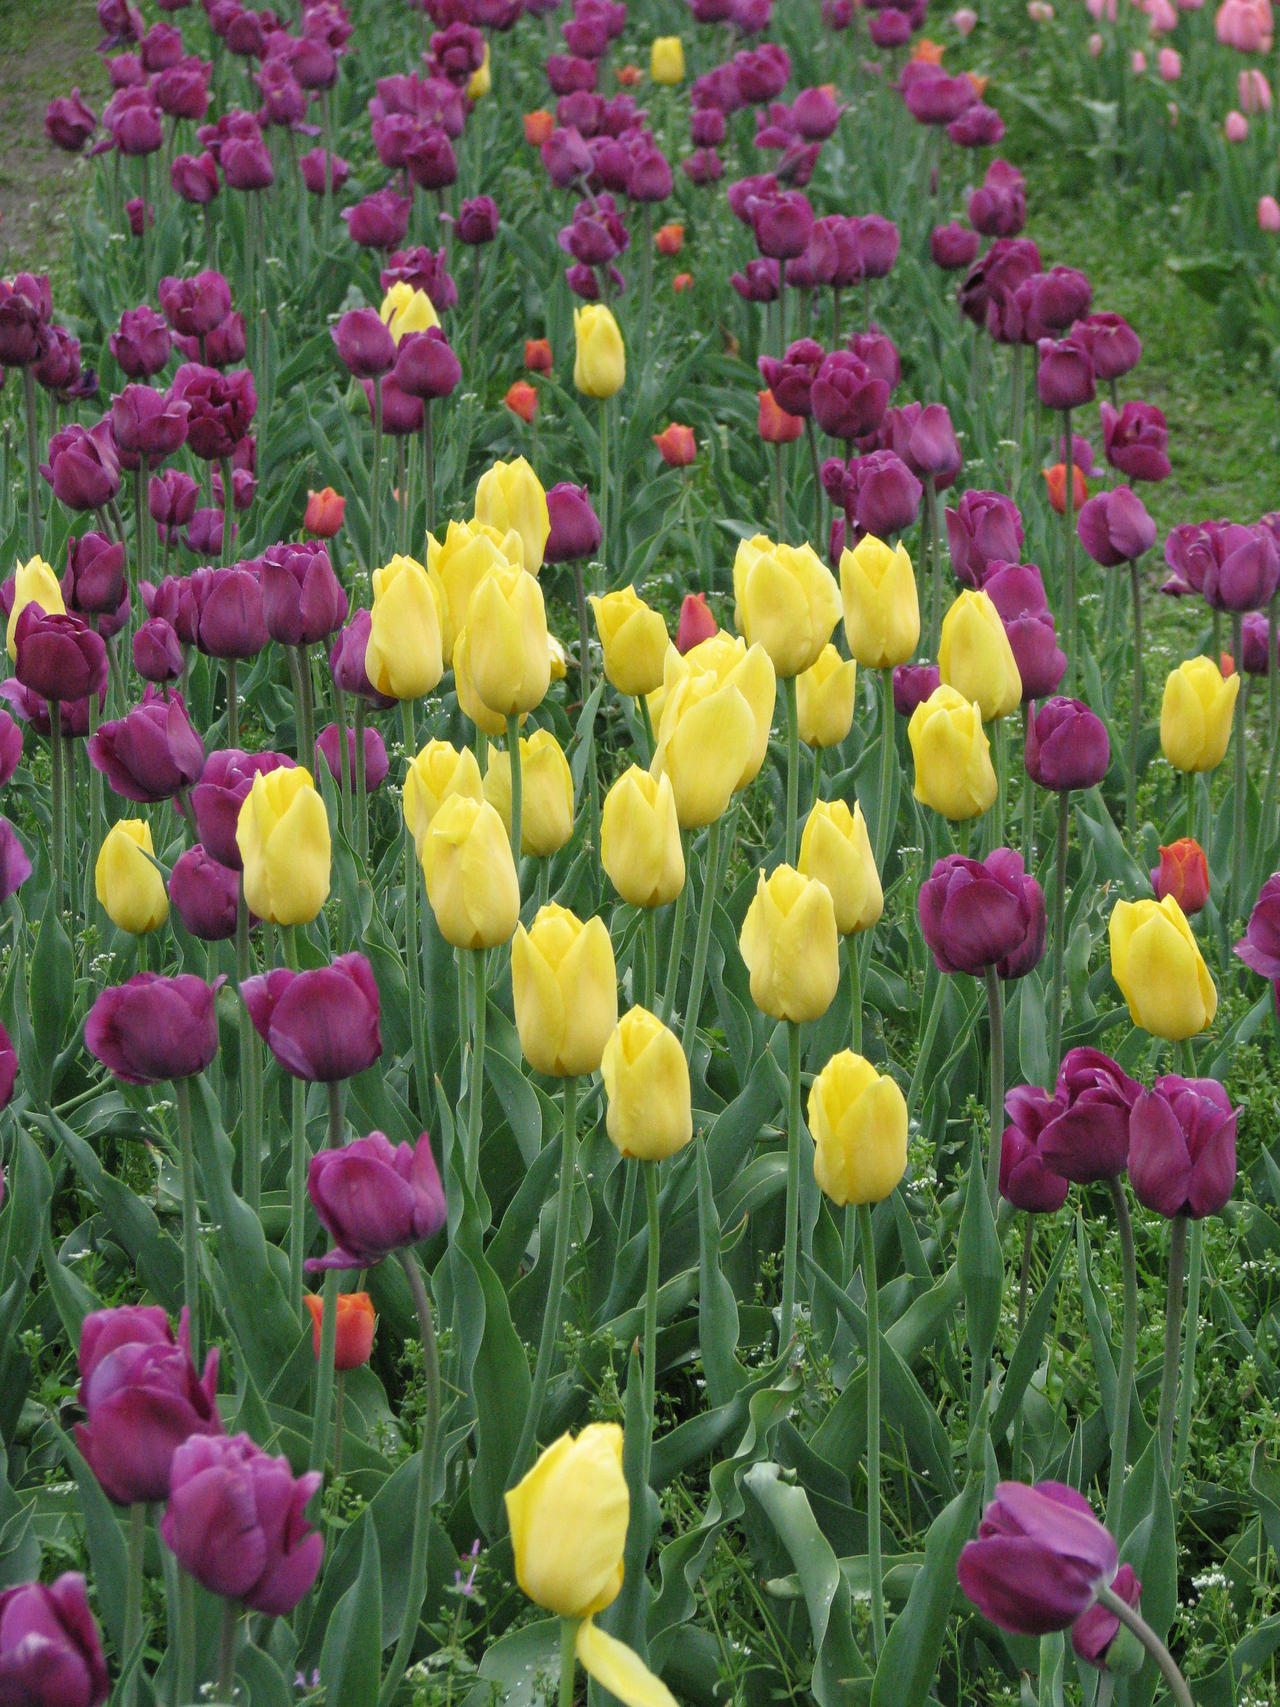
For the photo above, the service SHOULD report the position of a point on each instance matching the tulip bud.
(600, 361)
(704, 743)
(568, 1520)
(508, 655)
(471, 876)
(1195, 715)
(786, 601)
(825, 695)
(437, 772)
(634, 638)
(858, 1119)
(356, 1321)
(1183, 872)
(835, 848)
(403, 657)
(128, 882)
(881, 608)
(640, 845)
(666, 61)
(790, 946)
(646, 1084)
(565, 991)
(954, 773)
(459, 563)
(34, 582)
(975, 657)
(1157, 963)
(405, 309)
(510, 498)
(282, 833)
(546, 815)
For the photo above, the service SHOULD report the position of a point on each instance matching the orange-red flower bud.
(538, 126)
(323, 515)
(1055, 479)
(537, 355)
(677, 444)
(1183, 872)
(669, 239)
(522, 400)
(775, 426)
(356, 1322)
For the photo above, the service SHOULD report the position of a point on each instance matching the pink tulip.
(1254, 92)
(1169, 64)
(965, 21)
(1268, 214)
(1235, 126)
(1245, 25)
(1095, 45)
(1137, 62)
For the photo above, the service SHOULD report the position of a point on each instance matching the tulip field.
(640, 858)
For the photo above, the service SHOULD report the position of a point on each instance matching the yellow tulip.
(666, 61)
(461, 560)
(786, 601)
(559, 658)
(565, 991)
(471, 875)
(34, 583)
(283, 836)
(405, 309)
(748, 668)
(128, 883)
(568, 1520)
(481, 80)
(954, 774)
(1158, 965)
(790, 946)
(438, 771)
(404, 658)
(1195, 715)
(600, 360)
(975, 657)
(510, 498)
(508, 651)
(634, 638)
(469, 701)
(640, 845)
(881, 606)
(825, 696)
(836, 849)
(546, 800)
(646, 1084)
(858, 1121)
(704, 743)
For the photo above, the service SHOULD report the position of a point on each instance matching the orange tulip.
(324, 513)
(522, 400)
(682, 282)
(1055, 479)
(669, 239)
(537, 355)
(356, 1322)
(979, 83)
(677, 444)
(1183, 872)
(538, 126)
(927, 52)
(1227, 665)
(775, 426)
(629, 75)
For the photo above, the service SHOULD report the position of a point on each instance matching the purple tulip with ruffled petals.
(1089, 1140)
(153, 752)
(1182, 1147)
(374, 1197)
(1259, 947)
(154, 1028)
(321, 1025)
(50, 1650)
(847, 399)
(1114, 347)
(1026, 1180)
(222, 407)
(1040, 1558)
(83, 467)
(1067, 746)
(984, 528)
(1136, 439)
(975, 914)
(791, 377)
(195, 305)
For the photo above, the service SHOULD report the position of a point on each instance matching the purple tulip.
(194, 306)
(50, 1651)
(1040, 1558)
(988, 293)
(1017, 592)
(346, 661)
(94, 583)
(134, 120)
(426, 366)
(1089, 1139)
(376, 762)
(321, 1025)
(1067, 746)
(1182, 1147)
(147, 423)
(236, 1521)
(68, 122)
(221, 791)
(302, 600)
(154, 1028)
(782, 223)
(142, 1399)
(1114, 527)
(58, 657)
(174, 599)
(142, 344)
(953, 246)
(374, 1198)
(1064, 378)
(231, 623)
(984, 528)
(477, 221)
(791, 378)
(83, 466)
(1241, 567)
(977, 914)
(979, 126)
(1259, 947)
(379, 221)
(364, 343)
(222, 408)
(1094, 1632)
(25, 308)
(575, 527)
(1136, 439)
(882, 494)
(1051, 302)
(151, 754)
(998, 208)
(157, 651)
(10, 747)
(923, 436)
(938, 99)
(1114, 347)
(912, 685)
(172, 498)
(223, 347)
(847, 400)
(8, 1076)
(204, 895)
(1026, 1180)
(317, 166)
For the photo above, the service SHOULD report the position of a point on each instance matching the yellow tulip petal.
(620, 1670)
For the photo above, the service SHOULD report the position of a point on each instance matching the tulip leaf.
(1264, 1484)
(718, 1324)
(19, 1548)
(909, 1658)
(72, 1298)
(520, 1669)
(1154, 1557)
(979, 1262)
(1100, 1336)
(50, 998)
(1026, 1355)
(265, 1684)
(104, 1538)
(351, 1658)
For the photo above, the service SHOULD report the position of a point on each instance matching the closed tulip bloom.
(954, 774)
(471, 705)
(235, 1521)
(790, 946)
(1157, 963)
(403, 656)
(646, 1086)
(750, 670)
(1040, 1558)
(640, 845)
(152, 753)
(405, 309)
(1026, 1178)
(204, 895)
(666, 61)
(634, 639)
(1259, 947)
(282, 833)
(825, 696)
(221, 791)
(510, 498)
(437, 772)
(565, 991)
(575, 528)
(703, 746)
(508, 652)
(977, 914)
(1182, 1147)
(1195, 715)
(1083, 1130)
(157, 651)
(374, 1197)
(858, 1119)
(787, 602)
(696, 623)
(835, 848)
(127, 882)
(1183, 872)
(355, 1321)
(153, 1028)
(302, 599)
(34, 582)
(881, 607)
(460, 561)
(1097, 1636)
(600, 359)
(975, 657)
(321, 1025)
(1067, 745)
(471, 876)
(568, 1520)
(546, 820)
(50, 1650)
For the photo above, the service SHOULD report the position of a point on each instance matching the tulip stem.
(1186, 1386)
(228, 514)
(855, 992)
(1273, 704)
(555, 1289)
(1028, 800)
(875, 1567)
(1069, 521)
(792, 1235)
(375, 484)
(412, 962)
(584, 639)
(426, 1472)
(791, 700)
(883, 827)
(568, 1660)
(227, 1649)
(1172, 1335)
(814, 463)
(933, 564)
(604, 488)
(190, 1216)
(233, 708)
(250, 1070)
(1165, 1662)
(677, 941)
(1238, 792)
(650, 1319)
(710, 882)
(133, 1596)
(185, 1669)
(649, 932)
(362, 798)
(30, 401)
(1024, 1293)
(324, 1370)
(1059, 926)
(517, 785)
(995, 1011)
(55, 797)
(1135, 710)
(344, 762)
(480, 1008)
(779, 491)
(1128, 1354)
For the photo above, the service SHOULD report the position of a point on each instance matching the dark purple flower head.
(157, 651)
(923, 436)
(231, 622)
(979, 126)
(374, 1197)
(134, 120)
(174, 600)
(302, 600)
(83, 466)
(1182, 1147)
(782, 223)
(1136, 439)
(1026, 1180)
(58, 657)
(142, 344)
(376, 762)
(1053, 301)
(1089, 1140)
(975, 914)
(10, 747)
(15, 864)
(953, 246)
(346, 661)
(1067, 746)
(316, 166)
(937, 99)
(912, 685)
(68, 122)
(791, 378)
(575, 527)
(1114, 347)
(1093, 1635)
(25, 309)
(1064, 377)
(204, 895)
(321, 1025)
(154, 1028)
(146, 423)
(182, 92)
(217, 798)
(194, 306)
(153, 752)
(1259, 947)
(222, 407)
(847, 400)
(426, 366)
(998, 208)
(94, 583)
(1114, 526)
(364, 343)
(380, 221)
(984, 528)
(477, 221)
(882, 495)
(1040, 1558)
(50, 1650)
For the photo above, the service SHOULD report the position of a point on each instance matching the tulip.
(1158, 965)
(229, 615)
(151, 754)
(1040, 1559)
(600, 361)
(323, 515)
(458, 565)
(437, 772)
(696, 623)
(634, 639)
(153, 1028)
(282, 833)
(858, 1119)
(1182, 1147)
(507, 653)
(954, 774)
(127, 882)
(1083, 1132)
(1027, 1180)
(15, 866)
(640, 845)
(565, 991)
(546, 818)
(677, 445)
(34, 583)
(50, 1650)
(881, 609)
(666, 61)
(975, 657)
(984, 528)
(1195, 715)
(302, 601)
(1067, 746)
(470, 872)
(568, 1519)
(204, 895)
(836, 850)
(786, 601)
(1183, 872)
(321, 1025)
(790, 946)
(221, 791)
(405, 309)
(825, 696)
(356, 1320)
(646, 1085)
(975, 915)
(510, 498)
(235, 1521)
(404, 657)
(373, 1198)
(1097, 1636)
(704, 745)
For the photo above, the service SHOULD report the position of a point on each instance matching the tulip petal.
(621, 1671)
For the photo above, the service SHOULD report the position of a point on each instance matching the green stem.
(185, 1670)
(568, 1660)
(866, 1239)
(1059, 927)
(884, 829)
(228, 515)
(995, 1011)
(250, 1070)
(854, 946)
(650, 1318)
(1135, 709)
(412, 959)
(604, 488)
(362, 796)
(426, 1471)
(649, 933)
(1069, 540)
(375, 484)
(711, 880)
(584, 634)
(1151, 1642)
(790, 698)
(815, 465)
(1028, 801)
(555, 1290)
(55, 798)
(1128, 1354)
(328, 1315)
(937, 592)
(1186, 1385)
(790, 1249)
(1172, 1335)
(1238, 904)
(475, 1100)
(190, 1216)
(31, 403)
(1024, 1293)
(233, 707)
(677, 941)
(429, 467)
(517, 786)
(344, 763)
(133, 1595)
(227, 1649)
(779, 490)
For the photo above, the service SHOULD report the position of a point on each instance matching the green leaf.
(980, 1263)
(520, 1669)
(910, 1656)
(108, 1555)
(351, 1658)
(717, 1304)
(1026, 1355)
(52, 974)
